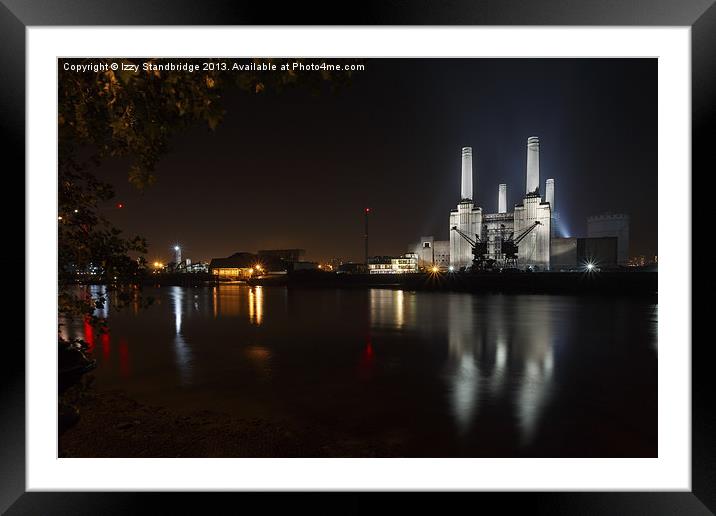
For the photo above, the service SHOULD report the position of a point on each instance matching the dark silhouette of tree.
(134, 113)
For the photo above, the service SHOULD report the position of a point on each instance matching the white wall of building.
(408, 263)
(534, 249)
(468, 218)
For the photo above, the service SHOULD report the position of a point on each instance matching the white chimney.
(502, 199)
(532, 165)
(549, 193)
(466, 187)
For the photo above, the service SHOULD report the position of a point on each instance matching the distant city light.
(435, 269)
(120, 205)
(176, 247)
(451, 268)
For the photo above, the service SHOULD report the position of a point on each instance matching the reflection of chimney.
(532, 165)
(466, 187)
(549, 193)
(502, 199)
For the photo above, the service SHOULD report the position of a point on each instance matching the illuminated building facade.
(533, 214)
(432, 253)
(408, 263)
(242, 266)
(466, 217)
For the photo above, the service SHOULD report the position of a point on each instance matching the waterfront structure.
(408, 263)
(535, 250)
(533, 214)
(569, 254)
(466, 217)
(187, 266)
(241, 266)
(432, 253)
(615, 225)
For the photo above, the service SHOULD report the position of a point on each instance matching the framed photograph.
(429, 248)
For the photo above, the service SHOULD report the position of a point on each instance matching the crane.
(509, 246)
(479, 248)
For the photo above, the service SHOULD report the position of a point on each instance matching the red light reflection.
(367, 360)
(89, 335)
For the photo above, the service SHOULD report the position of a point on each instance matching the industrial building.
(612, 225)
(432, 253)
(408, 263)
(242, 266)
(569, 254)
(521, 237)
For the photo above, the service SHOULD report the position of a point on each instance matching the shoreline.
(614, 283)
(114, 425)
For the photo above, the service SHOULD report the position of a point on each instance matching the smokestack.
(549, 193)
(532, 165)
(466, 187)
(502, 199)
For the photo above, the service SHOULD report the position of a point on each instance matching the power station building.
(529, 224)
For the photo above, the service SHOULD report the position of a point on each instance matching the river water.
(441, 374)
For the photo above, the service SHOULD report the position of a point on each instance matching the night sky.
(297, 170)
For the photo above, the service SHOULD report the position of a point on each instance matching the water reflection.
(393, 309)
(239, 301)
(181, 348)
(463, 373)
(469, 374)
(256, 305)
(499, 349)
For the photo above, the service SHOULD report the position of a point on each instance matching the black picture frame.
(17, 15)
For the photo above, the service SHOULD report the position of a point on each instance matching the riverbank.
(618, 282)
(112, 424)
